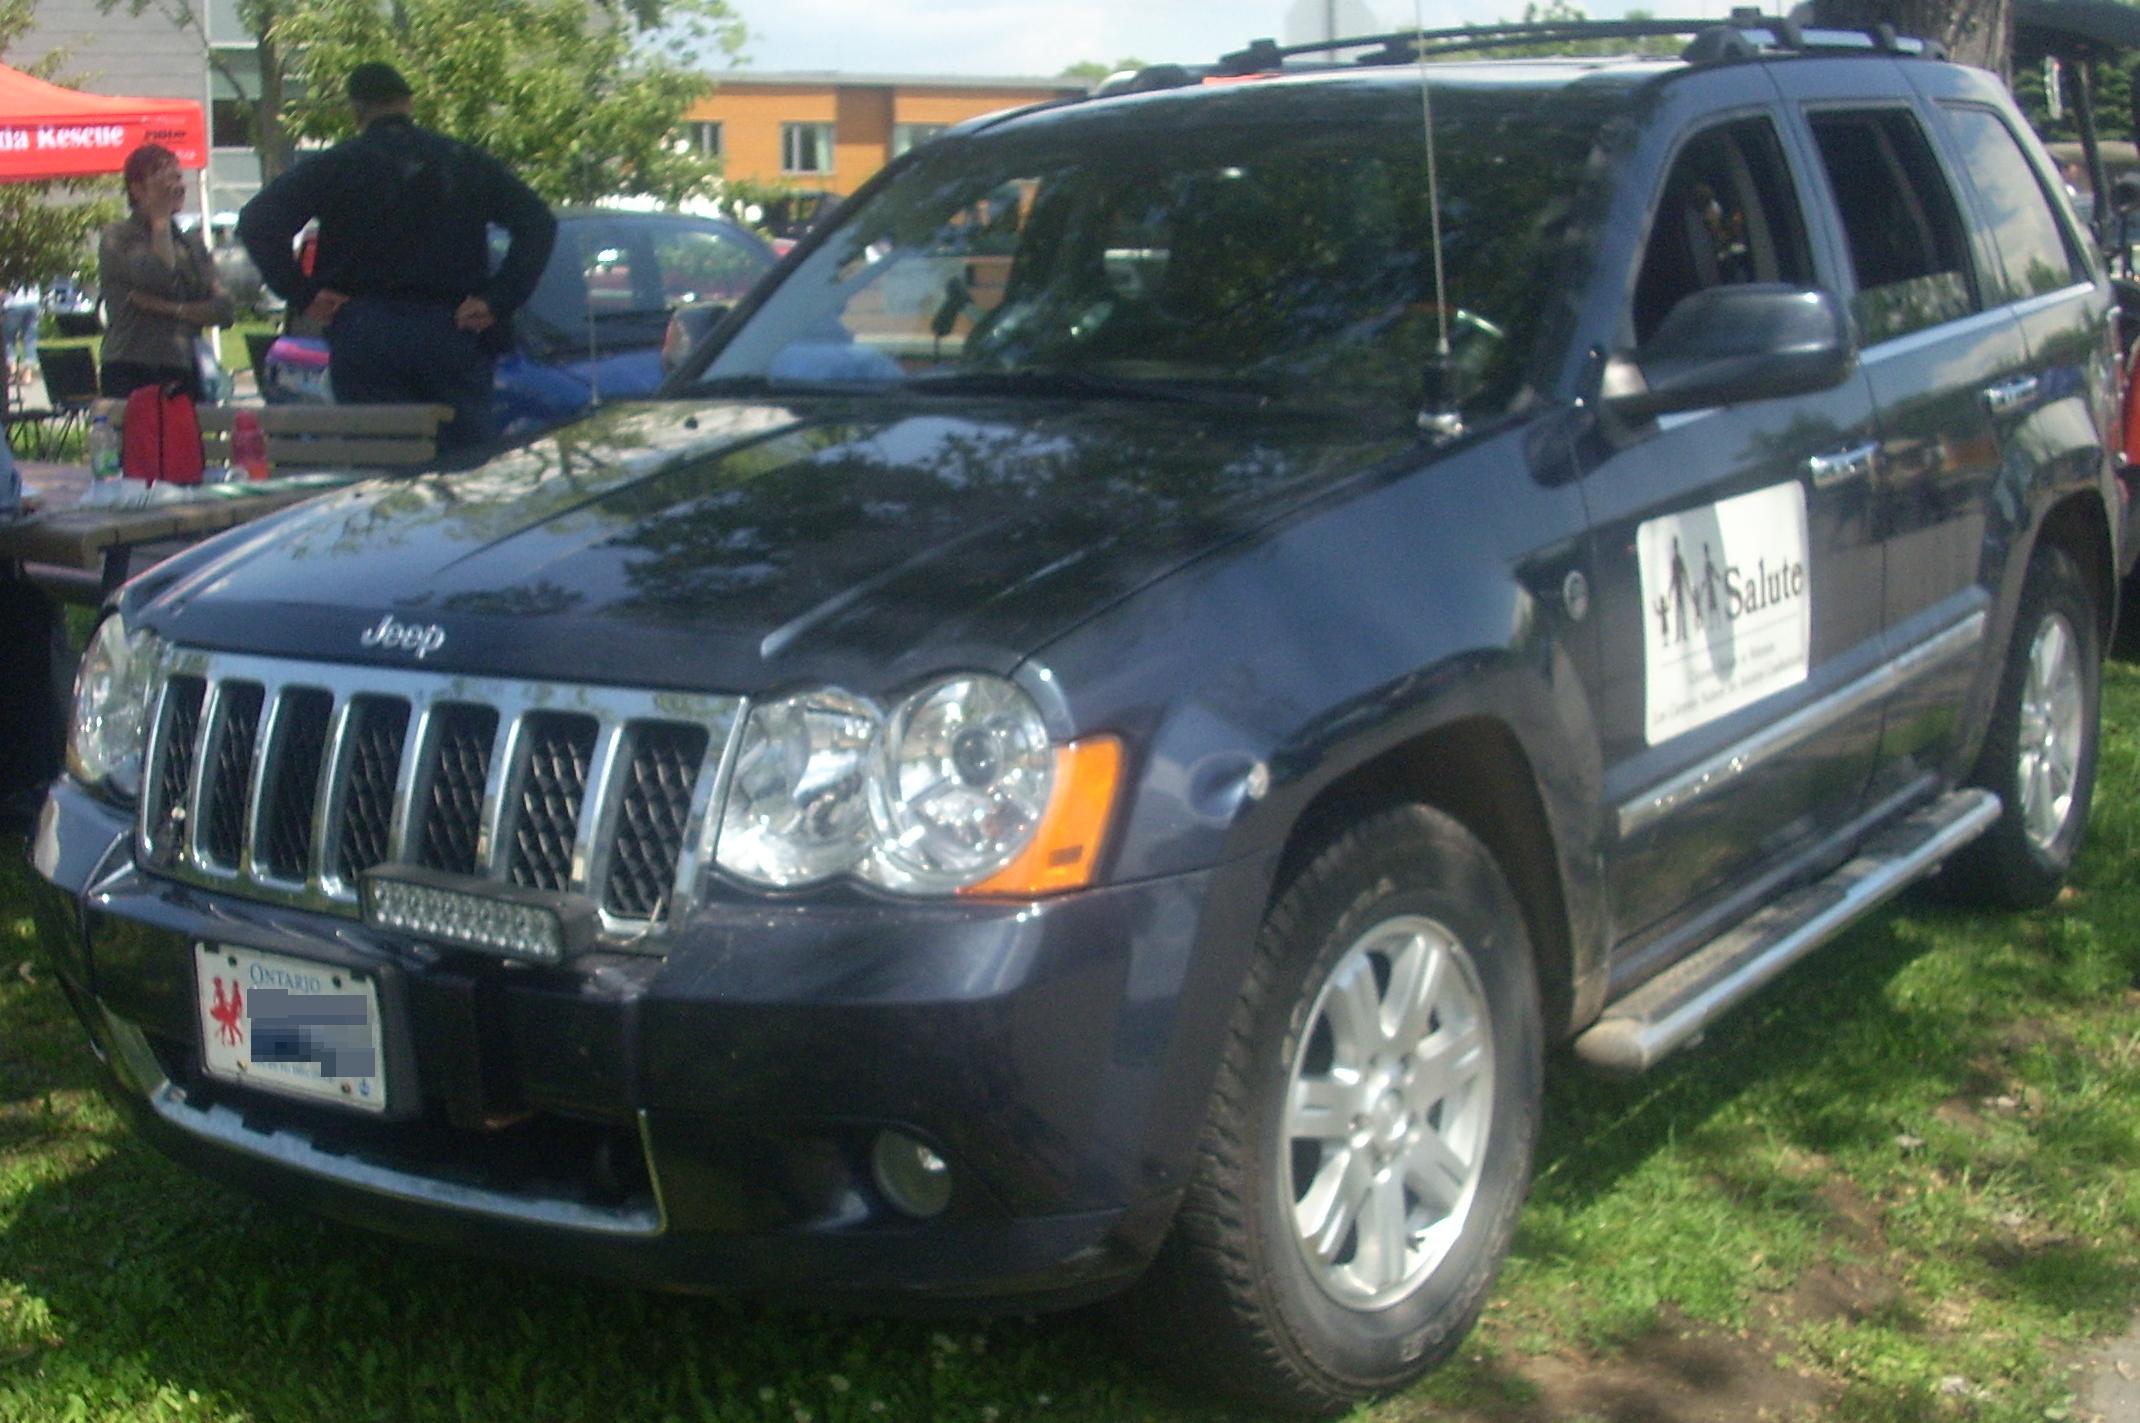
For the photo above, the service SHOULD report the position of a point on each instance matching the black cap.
(376, 83)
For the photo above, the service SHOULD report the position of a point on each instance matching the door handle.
(2010, 395)
(1853, 463)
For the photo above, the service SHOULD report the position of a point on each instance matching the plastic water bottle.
(103, 462)
(248, 444)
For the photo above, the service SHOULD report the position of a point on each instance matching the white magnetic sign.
(1727, 607)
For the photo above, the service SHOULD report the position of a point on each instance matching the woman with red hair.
(160, 288)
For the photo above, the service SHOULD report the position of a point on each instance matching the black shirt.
(402, 212)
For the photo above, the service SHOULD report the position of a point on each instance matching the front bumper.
(704, 1119)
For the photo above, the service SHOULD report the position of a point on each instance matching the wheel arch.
(2078, 525)
(1475, 770)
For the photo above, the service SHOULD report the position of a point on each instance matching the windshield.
(1286, 257)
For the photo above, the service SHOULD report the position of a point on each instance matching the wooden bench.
(314, 437)
(80, 554)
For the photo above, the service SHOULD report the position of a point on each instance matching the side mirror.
(689, 326)
(1726, 345)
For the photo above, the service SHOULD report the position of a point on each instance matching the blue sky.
(1012, 37)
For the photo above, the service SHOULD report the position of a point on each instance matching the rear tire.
(1370, 1135)
(2040, 750)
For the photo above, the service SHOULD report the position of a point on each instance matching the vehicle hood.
(740, 546)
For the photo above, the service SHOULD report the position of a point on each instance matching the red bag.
(163, 437)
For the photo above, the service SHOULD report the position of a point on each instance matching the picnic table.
(84, 554)
(98, 544)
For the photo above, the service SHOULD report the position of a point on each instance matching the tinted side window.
(1900, 220)
(1728, 214)
(2035, 255)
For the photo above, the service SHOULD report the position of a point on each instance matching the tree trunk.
(1978, 32)
(270, 136)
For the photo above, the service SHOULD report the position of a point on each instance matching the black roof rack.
(1747, 34)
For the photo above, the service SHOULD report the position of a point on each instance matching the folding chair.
(70, 389)
(28, 433)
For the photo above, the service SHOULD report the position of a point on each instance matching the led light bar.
(501, 918)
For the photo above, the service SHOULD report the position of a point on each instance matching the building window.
(806, 148)
(704, 136)
(230, 123)
(906, 136)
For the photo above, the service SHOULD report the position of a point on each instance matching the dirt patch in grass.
(1684, 1371)
(1678, 1373)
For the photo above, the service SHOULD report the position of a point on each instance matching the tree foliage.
(45, 228)
(582, 98)
(1979, 32)
(1092, 71)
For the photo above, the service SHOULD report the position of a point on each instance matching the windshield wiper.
(1045, 381)
(766, 385)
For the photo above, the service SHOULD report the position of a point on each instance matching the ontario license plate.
(290, 1025)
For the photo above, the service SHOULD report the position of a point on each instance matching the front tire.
(2040, 750)
(1370, 1135)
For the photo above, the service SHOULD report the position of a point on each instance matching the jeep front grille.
(286, 781)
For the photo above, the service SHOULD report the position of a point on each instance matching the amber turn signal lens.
(1065, 849)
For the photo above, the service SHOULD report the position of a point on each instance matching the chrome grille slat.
(592, 850)
(326, 811)
(284, 781)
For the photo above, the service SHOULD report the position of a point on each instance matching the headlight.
(959, 790)
(963, 781)
(798, 808)
(111, 699)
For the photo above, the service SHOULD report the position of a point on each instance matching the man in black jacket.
(402, 280)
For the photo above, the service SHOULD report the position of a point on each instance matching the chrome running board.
(1668, 1011)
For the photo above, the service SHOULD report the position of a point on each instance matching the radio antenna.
(1438, 413)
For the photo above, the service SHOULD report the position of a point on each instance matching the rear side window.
(1728, 214)
(2035, 253)
(1900, 219)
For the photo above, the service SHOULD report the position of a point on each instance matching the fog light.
(913, 1178)
(477, 914)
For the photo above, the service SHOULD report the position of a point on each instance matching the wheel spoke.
(2065, 719)
(1322, 1108)
(1445, 1065)
(2047, 661)
(2036, 810)
(1354, 1012)
(1437, 1172)
(1380, 1257)
(1333, 1201)
(1415, 984)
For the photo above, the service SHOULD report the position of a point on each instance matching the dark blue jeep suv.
(1094, 739)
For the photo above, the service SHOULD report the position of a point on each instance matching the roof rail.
(1747, 34)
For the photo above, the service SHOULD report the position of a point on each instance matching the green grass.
(1904, 1184)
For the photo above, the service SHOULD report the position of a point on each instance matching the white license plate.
(290, 1025)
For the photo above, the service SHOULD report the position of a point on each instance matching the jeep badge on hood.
(423, 641)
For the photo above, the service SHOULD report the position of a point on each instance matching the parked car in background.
(593, 330)
(235, 270)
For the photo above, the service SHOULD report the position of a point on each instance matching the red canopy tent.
(47, 131)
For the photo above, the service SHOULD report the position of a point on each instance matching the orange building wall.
(750, 122)
(948, 106)
(750, 115)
